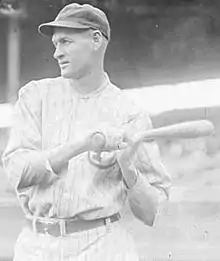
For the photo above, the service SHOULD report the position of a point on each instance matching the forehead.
(70, 32)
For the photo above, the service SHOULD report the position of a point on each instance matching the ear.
(97, 39)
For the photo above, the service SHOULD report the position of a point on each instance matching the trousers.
(105, 243)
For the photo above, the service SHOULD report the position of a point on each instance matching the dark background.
(153, 42)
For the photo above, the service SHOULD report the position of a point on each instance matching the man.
(70, 198)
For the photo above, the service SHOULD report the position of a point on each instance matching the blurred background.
(165, 54)
(153, 41)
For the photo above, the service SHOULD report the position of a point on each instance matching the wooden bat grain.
(184, 130)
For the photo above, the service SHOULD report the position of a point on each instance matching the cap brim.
(48, 28)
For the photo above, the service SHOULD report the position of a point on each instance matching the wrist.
(51, 175)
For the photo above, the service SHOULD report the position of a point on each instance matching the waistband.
(62, 227)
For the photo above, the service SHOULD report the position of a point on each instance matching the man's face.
(74, 51)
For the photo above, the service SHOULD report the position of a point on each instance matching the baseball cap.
(79, 16)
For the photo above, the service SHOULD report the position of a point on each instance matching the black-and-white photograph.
(109, 130)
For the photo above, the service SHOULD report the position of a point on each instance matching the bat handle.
(98, 142)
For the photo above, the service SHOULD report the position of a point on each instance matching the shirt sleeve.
(152, 179)
(24, 160)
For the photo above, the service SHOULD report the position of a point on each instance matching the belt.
(62, 227)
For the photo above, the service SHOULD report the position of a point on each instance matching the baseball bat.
(184, 130)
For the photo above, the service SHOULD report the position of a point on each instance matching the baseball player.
(72, 198)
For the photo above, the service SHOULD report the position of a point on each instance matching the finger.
(122, 145)
(104, 162)
(117, 146)
(114, 137)
(128, 152)
(148, 140)
(97, 156)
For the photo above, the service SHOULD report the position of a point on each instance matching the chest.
(70, 118)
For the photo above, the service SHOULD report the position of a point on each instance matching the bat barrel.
(184, 130)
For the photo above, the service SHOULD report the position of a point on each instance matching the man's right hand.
(104, 145)
(107, 141)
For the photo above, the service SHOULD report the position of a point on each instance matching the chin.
(69, 75)
(66, 74)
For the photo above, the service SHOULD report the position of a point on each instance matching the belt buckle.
(46, 229)
(34, 227)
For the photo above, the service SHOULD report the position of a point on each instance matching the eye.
(62, 41)
(65, 41)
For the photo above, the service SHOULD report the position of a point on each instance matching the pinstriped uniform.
(113, 244)
(51, 112)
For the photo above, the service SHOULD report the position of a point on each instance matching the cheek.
(84, 56)
(86, 50)
(80, 54)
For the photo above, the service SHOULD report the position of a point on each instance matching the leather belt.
(64, 227)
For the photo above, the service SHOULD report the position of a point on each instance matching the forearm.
(143, 197)
(61, 156)
(144, 200)
(27, 167)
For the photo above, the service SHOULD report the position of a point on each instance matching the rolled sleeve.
(23, 159)
(152, 186)
(149, 163)
(153, 182)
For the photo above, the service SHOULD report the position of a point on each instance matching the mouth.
(63, 64)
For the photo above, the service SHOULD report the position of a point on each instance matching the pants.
(110, 243)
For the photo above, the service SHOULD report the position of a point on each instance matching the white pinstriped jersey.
(51, 112)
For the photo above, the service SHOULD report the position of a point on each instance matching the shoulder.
(129, 110)
(123, 99)
(39, 88)
(127, 103)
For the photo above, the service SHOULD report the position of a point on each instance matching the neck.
(90, 82)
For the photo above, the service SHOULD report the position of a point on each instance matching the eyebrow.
(57, 39)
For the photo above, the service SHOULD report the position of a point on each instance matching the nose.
(58, 53)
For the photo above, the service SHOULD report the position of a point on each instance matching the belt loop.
(62, 224)
(107, 223)
(34, 227)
